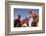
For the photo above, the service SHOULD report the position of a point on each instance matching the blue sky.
(24, 12)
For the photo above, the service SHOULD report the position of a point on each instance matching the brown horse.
(34, 22)
(20, 23)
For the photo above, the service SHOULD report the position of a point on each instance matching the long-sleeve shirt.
(30, 21)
